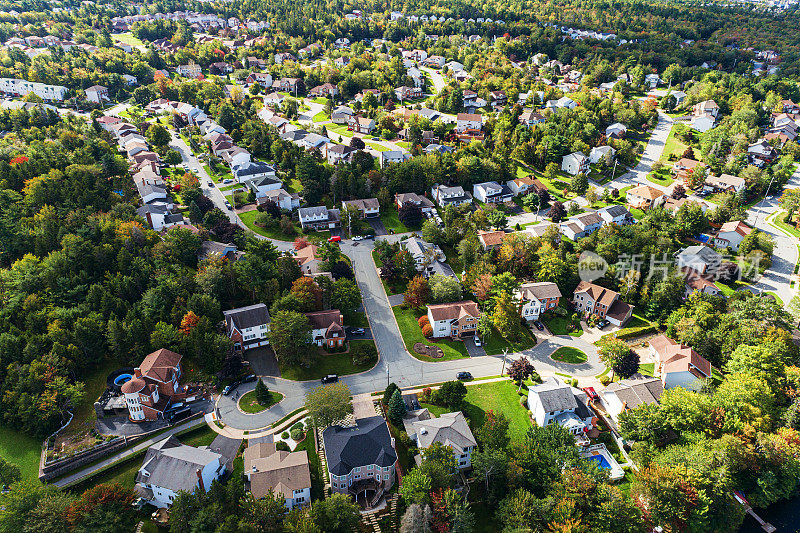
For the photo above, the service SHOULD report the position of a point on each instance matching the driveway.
(367, 335)
(472, 350)
(263, 361)
(377, 225)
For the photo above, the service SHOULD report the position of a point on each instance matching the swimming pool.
(601, 461)
(122, 379)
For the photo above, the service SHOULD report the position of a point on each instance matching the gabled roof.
(736, 225)
(491, 238)
(449, 429)
(368, 443)
(554, 395)
(597, 293)
(325, 319)
(276, 470)
(678, 357)
(247, 317)
(539, 290)
(160, 364)
(174, 466)
(454, 310)
(646, 192)
(634, 392)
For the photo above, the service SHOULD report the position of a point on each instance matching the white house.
(97, 94)
(444, 195)
(423, 253)
(368, 207)
(615, 214)
(248, 327)
(319, 217)
(731, 234)
(190, 70)
(454, 320)
(468, 122)
(581, 225)
(537, 298)
(553, 401)
(448, 429)
(599, 153)
(630, 393)
(256, 170)
(170, 467)
(393, 156)
(703, 123)
(491, 192)
(575, 163)
(616, 131)
(336, 153)
(284, 200)
(18, 87)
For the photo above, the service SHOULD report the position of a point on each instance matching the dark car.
(180, 414)
(357, 331)
(464, 376)
(230, 388)
(330, 378)
(603, 323)
(538, 325)
(249, 379)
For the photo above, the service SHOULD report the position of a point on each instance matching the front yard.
(494, 343)
(249, 219)
(340, 364)
(391, 221)
(412, 333)
(562, 325)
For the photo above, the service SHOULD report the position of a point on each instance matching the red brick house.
(327, 328)
(154, 386)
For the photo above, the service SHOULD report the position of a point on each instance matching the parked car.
(603, 323)
(591, 394)
(376, 138)
(330, 378)
(230, 388)
(228, 205)
(464, 376)
(180, 414)
(477, 341)
(538, 325)
(249, 379)
(357, 331)
(226, 181)
(358, 238)
(335, 238)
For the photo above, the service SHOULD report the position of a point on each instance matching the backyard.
(412, 333)
(340, 364)
(21, 450)
(497, 396)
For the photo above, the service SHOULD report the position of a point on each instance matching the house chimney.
(200, 479)
(137, 372)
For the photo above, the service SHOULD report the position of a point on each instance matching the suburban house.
(630, 393)
(615, 214)
(159, 216)
(264, 79)
(448, 429)
(537, 298)
(581, 226)
(410, 197)
(466, 122)
(575, 163)
(491, 240)
(360, 458)
(531, 118)
(170, 467)
(553, 401)
(368, 207)
(731, 234)
(643, 196)
(326, 90)
(215, 249)
(408, 93)
(318, 218)
(308, 260)
(423, 253)
(342, 114)
(190, 70)
(285, 200)
(679, 96)
(335, 153)
(252, 170)
(724, 182)
(701, 259)
(599, 153)
(761, 153)
(361, 124)
(283, 473)
(388, 157)
(525, 185)
(445, 195)
(616, 131)
(491, 192)
(454, 320)
(707, 107)
(97, 94)
(676, 364)
(154, 384)
(604, 303)
(703, 123)
(327, 328)
(248, 327)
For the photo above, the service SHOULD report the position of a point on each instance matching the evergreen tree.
(262, 393)
(397, 408)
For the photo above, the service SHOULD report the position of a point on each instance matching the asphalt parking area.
(472, 350)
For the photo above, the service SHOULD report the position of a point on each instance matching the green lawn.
(560, 325)
(320, 117)
(22, 450)
(663, 177)
(249, 219)
(498, 396)
(202, 436)
(673, 146)
(94, 385)
(725, 289)
(391, 221)
(317, 480)
(779, 221)
(568, 354)
(329, 363)
(647, 369)
(127, 38)
(249, 404)
(494, 343)
(394, 287)
(293, 185)
(404, 144)
(412, 333)
(376, 146)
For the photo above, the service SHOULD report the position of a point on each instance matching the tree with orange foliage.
(427, 330)
(482, 286)
(189, 322)
(417, 292)
(308, 293)
(300, 243)
(113, 497)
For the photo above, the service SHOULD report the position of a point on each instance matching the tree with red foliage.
(300, 243)
(19, 160)
(482, 286)
(103, 495)
(417, 292)
(520, 370)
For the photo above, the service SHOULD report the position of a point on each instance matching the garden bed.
(430, 351)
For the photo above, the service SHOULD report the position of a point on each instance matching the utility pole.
(503, 369)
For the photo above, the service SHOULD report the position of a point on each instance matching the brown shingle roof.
(279, 471)
(491, 238)
(597, 293)
(324, 319)
(160, 365)
(540, 290)
(454, 310)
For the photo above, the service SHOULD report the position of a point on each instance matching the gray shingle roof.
(173, 465)
(247, 317)
(369, 443)
(555, 396)
(450, 429)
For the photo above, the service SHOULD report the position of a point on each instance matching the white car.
(358, 238)
(477, 341)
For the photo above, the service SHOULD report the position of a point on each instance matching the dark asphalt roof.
(368, 443)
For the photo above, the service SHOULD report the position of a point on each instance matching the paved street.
(652, 153)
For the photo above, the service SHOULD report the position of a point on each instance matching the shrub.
(363, 353)
(605, 380)
(423, 321)
(297, 434)
(523, 401)
(535, 377)
(425, 397)
(282, 446)
(299, 426)
(285, 435)
(427, 330)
